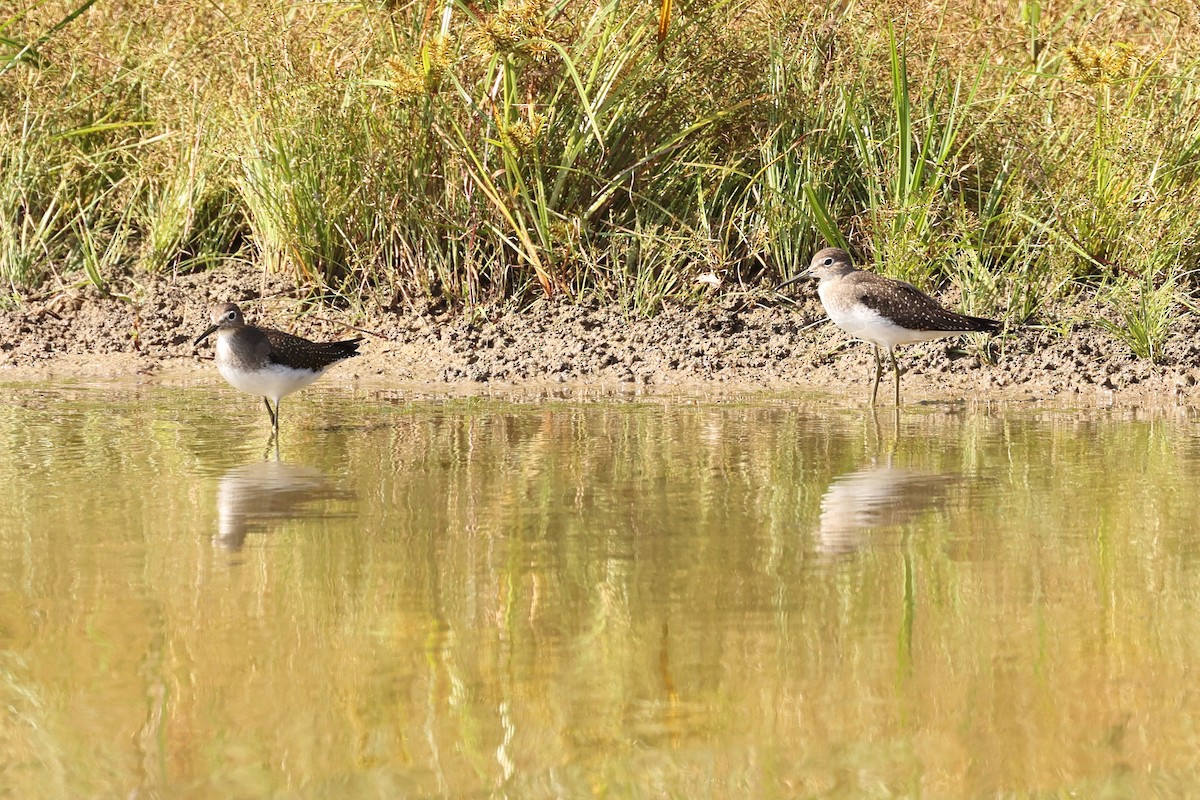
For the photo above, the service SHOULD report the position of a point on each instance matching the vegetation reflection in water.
(775, 598)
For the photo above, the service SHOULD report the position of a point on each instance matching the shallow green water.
(473, 598)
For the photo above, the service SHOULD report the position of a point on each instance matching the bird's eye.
(231, 315)
(828, 262)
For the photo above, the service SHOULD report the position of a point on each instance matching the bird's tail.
(981, 324)
(344, 349)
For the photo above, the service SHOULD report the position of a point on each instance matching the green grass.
(1036, 159)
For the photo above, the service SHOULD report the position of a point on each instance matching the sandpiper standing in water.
(266, 362)
(882, 311)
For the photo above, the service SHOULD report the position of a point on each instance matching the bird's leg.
(279, 400)
(270, 411)
(896, 371)
(878, 373)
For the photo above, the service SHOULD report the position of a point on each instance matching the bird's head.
(831, 262)
(225, 315)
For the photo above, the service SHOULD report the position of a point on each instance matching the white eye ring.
(828, 262)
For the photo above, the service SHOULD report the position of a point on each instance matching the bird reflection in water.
(878, 497)
(253, 496)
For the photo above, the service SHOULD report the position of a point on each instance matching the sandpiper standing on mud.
(266, 362)
(882, 311)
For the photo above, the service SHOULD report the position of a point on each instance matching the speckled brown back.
(907, 306)
(298, 353)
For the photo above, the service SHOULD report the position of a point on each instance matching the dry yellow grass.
(394, 146)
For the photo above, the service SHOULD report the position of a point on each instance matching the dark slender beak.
(803, 276)
(205, 335)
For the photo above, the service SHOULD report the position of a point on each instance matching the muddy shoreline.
(730, 344)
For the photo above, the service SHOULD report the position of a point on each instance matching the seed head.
(521, 135)
(423, 74)
(519, 27)
(1094, 66)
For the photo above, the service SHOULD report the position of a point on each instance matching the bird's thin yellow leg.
(878, 374)
(896, 371)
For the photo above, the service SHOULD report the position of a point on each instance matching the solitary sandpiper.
(269, 363)
(883, 311)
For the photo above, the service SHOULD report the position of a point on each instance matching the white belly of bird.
(864, 323)
(272, 381)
